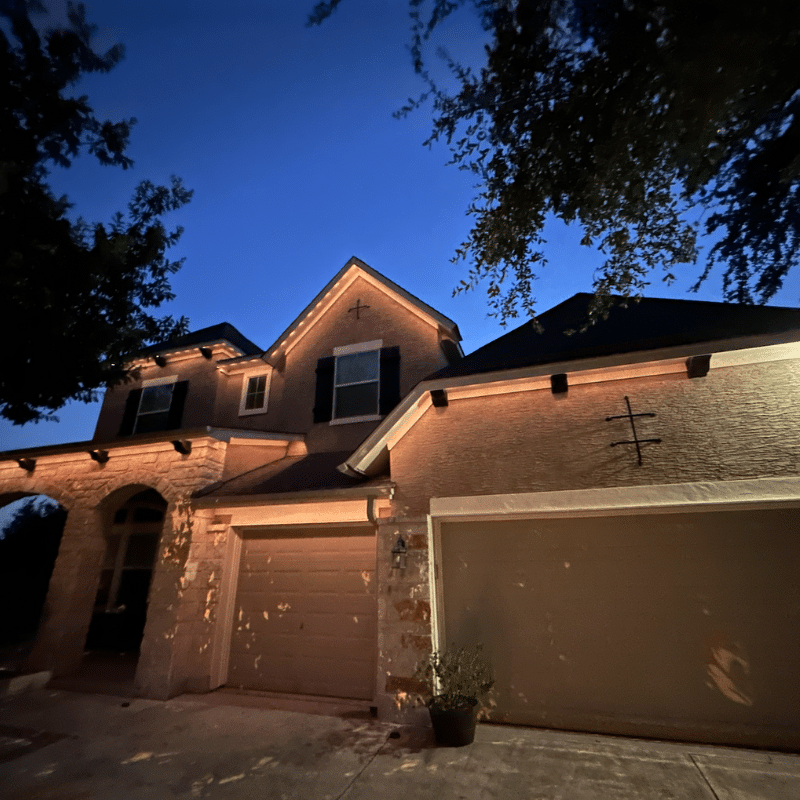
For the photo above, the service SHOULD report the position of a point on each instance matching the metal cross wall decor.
(357, 308)
(636, 440)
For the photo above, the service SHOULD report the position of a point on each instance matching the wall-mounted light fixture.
(161, 361)
(559, 383)
(206, 352)
(100, 456)
(439, 398)
(28, 464)
(182, 446)
(698, 366)
(399, 553)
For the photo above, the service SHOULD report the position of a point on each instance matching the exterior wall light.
(399, 553)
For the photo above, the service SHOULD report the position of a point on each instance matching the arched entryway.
(132, 536)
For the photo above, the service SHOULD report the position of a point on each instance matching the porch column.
(70, 597)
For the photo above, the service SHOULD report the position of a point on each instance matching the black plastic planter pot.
(454, 727)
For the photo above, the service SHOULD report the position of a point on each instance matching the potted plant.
(456, 679)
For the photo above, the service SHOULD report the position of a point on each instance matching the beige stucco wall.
(291, 400)
(198, 411)
(738, 422)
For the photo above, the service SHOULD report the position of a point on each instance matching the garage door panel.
(306, 605)
(633, 624)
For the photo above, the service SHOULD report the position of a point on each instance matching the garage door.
(305, 614)
(681, 626)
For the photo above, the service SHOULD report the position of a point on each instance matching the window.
(358, 383)
(255, 393)
(131, 552)
(157, 406)
(154, 406)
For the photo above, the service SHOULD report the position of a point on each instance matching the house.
(613, 514)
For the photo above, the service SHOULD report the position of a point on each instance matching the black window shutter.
(176, 406)
(131, 410)
(323, 397)
(390, 379)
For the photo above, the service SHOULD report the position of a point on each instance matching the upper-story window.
(157, 406)
(154, 405)
(255, 393)
(358, 383)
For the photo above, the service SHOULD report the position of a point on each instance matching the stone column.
(404, 619)
(71, 594)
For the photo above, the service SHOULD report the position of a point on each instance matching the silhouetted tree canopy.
(74, 296)
(644, 123)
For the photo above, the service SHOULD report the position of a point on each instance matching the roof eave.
(374, 449)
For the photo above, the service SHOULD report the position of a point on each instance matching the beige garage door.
(681, 626)
(305, 614)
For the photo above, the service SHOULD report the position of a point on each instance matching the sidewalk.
(61, 745)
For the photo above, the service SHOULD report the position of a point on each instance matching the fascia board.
(150, 439)
(219, 503)
(343, 279)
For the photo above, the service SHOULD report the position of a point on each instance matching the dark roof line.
(649, 324)
(223, 331)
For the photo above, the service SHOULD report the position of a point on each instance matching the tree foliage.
(645, 123)
(74, 296)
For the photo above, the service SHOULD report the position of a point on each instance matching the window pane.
(255, 392)
(357, 401)
(145, 514)
(156, 398)
(112, 548)
(141, 550)
(356, 367)
(152, 423)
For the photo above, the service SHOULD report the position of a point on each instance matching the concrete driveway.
(62, 745)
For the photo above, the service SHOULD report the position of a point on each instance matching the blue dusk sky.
(286, 135)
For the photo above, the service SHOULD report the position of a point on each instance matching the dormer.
(177, 384)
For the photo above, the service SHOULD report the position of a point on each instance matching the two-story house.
(613, 514)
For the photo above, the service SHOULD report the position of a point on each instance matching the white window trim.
(160, 381)
(254, 373)
(361, 347)
(348, 349)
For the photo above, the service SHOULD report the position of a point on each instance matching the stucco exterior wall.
(292, 392)
(198, 411)
(737, 422)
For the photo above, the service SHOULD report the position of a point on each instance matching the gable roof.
(651, 330)
(352, 269)
(222, 332)
(650, 324)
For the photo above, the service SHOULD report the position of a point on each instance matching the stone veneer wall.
(185, 578)
(404, 617)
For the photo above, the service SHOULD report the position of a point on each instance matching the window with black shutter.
(359, 383)
(155, 407)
